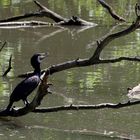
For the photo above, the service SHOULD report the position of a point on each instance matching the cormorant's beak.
(43, 55)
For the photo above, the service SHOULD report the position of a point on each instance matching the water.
(88, 85)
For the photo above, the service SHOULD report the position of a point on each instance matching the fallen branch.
(111, 11)
(9, 67)
(27, 15)
(94, 59)
(45, 12)
(32, 107)
(80, 63)
(85, 107)
(24, 24)
(3, 46)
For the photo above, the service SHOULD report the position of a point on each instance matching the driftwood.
(111, 11)
(94, 59)
(86, 107)
(59, 20)
(45, 12)
(19, 24)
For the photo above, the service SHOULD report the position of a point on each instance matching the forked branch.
(45, 12)
(95, 59)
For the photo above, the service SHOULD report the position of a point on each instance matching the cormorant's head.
(37, 58)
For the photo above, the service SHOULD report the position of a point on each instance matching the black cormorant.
(25, 87)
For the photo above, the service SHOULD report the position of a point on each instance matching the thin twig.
(9, 67)
(3, 46)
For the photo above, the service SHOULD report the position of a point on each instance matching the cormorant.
(25, 87)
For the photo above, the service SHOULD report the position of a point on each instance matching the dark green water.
(89, 85)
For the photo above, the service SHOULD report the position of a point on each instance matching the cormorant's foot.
(48, 90)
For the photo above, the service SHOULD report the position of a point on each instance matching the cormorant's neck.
(37, 70)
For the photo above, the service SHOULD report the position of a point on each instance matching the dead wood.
(45, 12)
(86, 107)
(94, 59)
(3, 46)
(111, 11)
(9, 67)
(19, 24)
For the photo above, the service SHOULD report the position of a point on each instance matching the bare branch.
(44, 11)
(72, 64)
(3, 46)
(31, 107)
(95, 59)
(27, 15)
(20, 24)
(102, 43)
(9, 67)
(48, 13)
(111, 11)
(86, 107)
(136, 59)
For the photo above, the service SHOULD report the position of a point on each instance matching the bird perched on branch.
(25, 87)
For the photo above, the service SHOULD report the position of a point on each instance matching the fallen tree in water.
(95, 59)
(58, 19)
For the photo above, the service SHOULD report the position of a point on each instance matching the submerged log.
(18, 24)
(45, 12)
